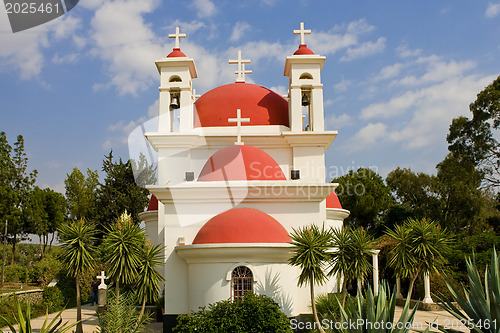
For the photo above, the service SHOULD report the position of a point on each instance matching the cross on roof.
(102, 277)
(241, 67)
(238, 120)
(194, 95)
(177, 35)
(302, 32)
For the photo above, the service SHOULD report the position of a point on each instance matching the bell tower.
(305, 100)
(176, 92)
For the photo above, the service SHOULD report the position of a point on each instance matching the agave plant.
(369, 314)
(24, 322)
(480, 304)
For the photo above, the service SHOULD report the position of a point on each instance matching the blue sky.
(396, 73)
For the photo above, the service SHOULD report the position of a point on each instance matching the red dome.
(153, 204)
(242, 225)
(241, 163)
(332, 201)
(303, 49)
(261, 105)
(176, 53)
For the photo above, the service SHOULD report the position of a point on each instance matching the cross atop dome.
(302, 32)
(241, 67)
(177, 35)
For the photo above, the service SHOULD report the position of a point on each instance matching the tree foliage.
(119, 192)
(475, 139)
(365, 195)
(81, 194)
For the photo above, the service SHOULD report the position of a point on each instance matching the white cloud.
(204, 8)
(389, 72)
(493, 10)
(343, 85)
(126, 44)
(24, 51)
(67, 58)
(365, 49)
(238, 30)
(368, 136)
(396, 106)
(404, 52)
(335, 122)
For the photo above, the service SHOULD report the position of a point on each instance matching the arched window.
(175, 78)
(241, 281)
(305, 76)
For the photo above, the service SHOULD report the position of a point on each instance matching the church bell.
(174, 101)
(305, 100)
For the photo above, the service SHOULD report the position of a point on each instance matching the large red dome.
(241, 163)
(242, 225)
(261, 105)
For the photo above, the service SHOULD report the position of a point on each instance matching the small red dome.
(176, 53)
(241, 163)
(332, 201)
(242, 225)
(303, 49)
(261, 105)
(153, 204)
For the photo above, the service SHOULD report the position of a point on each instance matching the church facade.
(238, 169)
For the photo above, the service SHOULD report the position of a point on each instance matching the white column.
(427, 289)
(295, 110)
(398, 288)
(375, 271)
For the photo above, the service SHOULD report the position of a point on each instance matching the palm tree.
(418, 247)
(123, 247)
(311, 253)
(78, 252)
(147, 283)
(341, 257)
(362, 248)
(352, 248)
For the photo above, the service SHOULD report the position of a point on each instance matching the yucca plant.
(370, 314)
(480, 304)
(23, 320)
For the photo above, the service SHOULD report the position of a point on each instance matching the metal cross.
(238, 120)
(302, 32)
(241, 67)
(194, 95)
(177, 35)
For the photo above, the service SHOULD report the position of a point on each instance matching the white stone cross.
(238, 120)
(241, 67)
(102, 277)
(302, 32)
(177, 35)
(194, 95)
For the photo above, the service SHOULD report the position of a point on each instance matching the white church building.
(238, 168)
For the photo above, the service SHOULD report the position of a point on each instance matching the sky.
(396, 73)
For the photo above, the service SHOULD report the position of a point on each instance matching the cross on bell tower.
(177, 36)
(302, 32)
(241, 67)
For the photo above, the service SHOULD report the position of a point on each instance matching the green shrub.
(327, 306)
(53, 299)
(252, 313)
(479, 306)
(45, 270)
(14, 273)
(121, 315)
